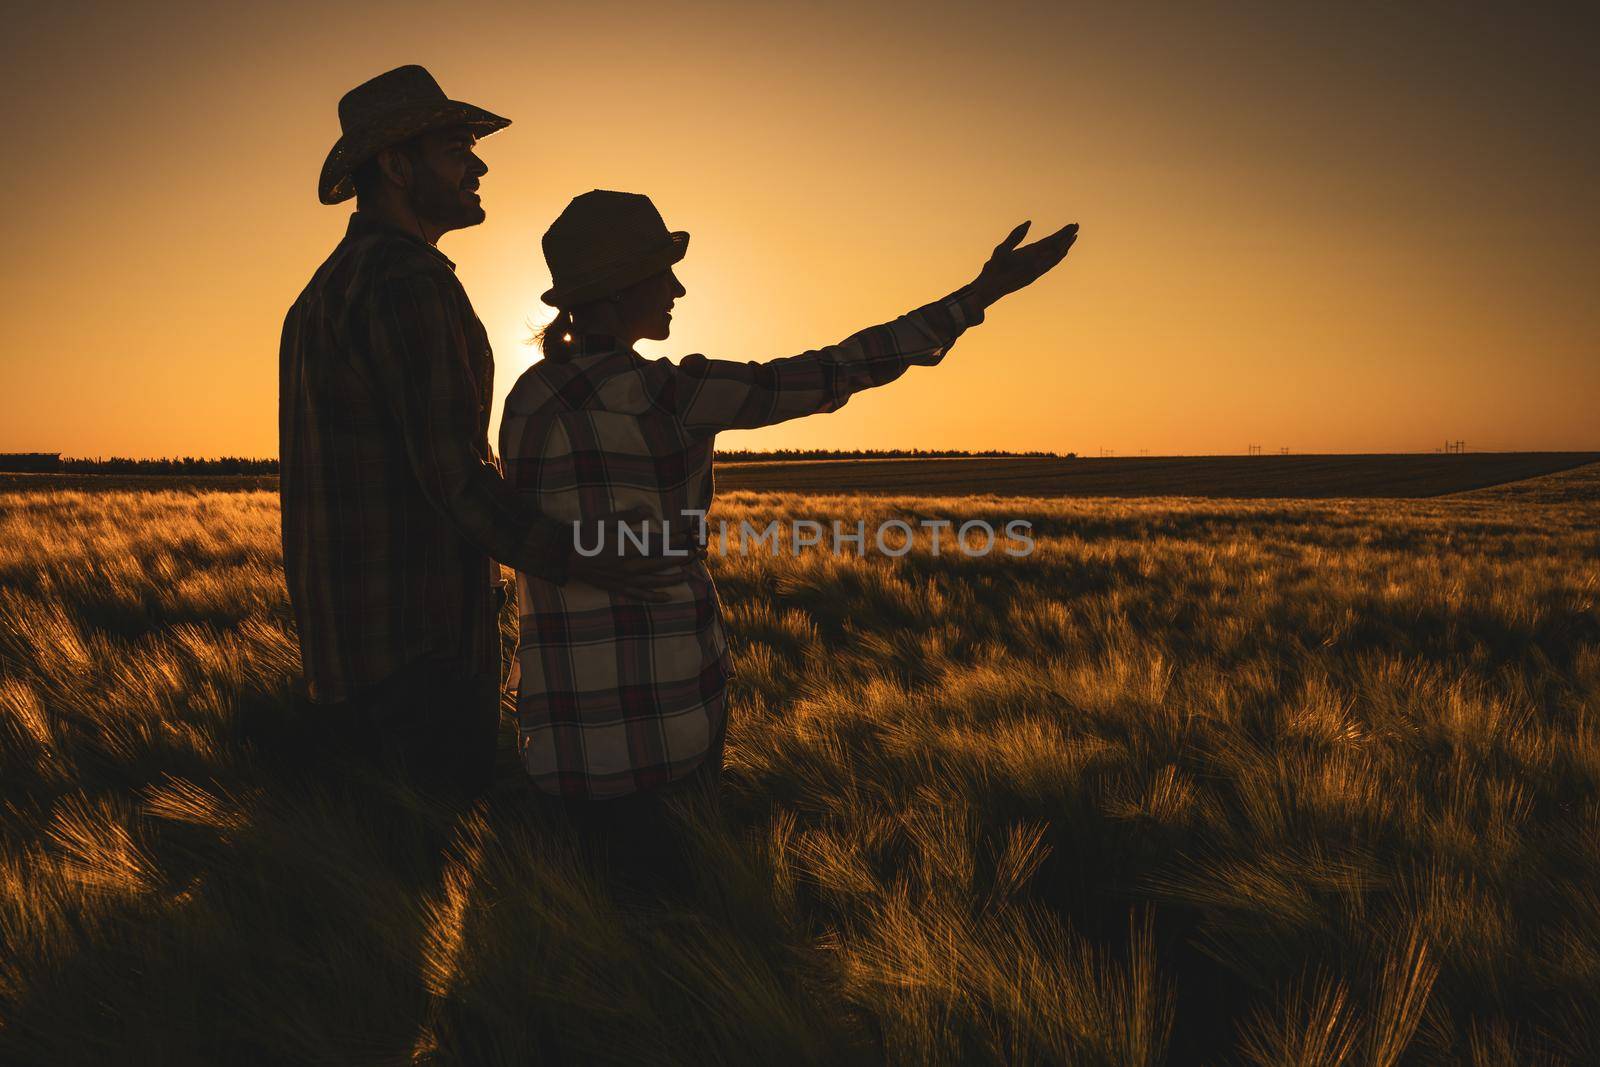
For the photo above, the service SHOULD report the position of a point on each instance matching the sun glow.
(1209, 304)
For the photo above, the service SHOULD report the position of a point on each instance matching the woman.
(622, 698)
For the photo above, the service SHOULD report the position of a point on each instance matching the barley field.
(1197, 781)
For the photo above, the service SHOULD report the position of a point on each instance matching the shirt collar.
(594, 344)
(365, 225)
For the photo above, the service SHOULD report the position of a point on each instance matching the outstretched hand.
(1012, 267)
(641, 577)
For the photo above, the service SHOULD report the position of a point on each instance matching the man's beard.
(441, 205)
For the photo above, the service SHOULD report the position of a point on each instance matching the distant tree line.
(180, 465)
(192, 465)
(30, 462)
(746, 455)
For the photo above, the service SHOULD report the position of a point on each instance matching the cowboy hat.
(385, 111)
(604, 242)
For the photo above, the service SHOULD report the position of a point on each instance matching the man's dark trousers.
(429, 722)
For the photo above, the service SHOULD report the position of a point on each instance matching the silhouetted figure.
(394, 509)
(623, 704)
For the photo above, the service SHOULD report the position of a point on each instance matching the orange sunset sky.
(1327, 227)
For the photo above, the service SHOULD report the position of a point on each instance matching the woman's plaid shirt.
(618, 695)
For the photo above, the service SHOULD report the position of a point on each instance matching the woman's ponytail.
(557, 338)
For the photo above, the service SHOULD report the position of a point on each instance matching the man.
(394, 511)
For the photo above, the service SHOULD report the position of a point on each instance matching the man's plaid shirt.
(392, 503)
(619, 695)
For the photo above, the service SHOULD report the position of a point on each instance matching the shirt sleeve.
(715, 394)
(421, 364)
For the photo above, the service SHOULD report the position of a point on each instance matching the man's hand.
(642, 577)
(1012, 268)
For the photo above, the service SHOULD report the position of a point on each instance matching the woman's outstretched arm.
(708, 395)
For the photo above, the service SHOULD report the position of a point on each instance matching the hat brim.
(349, 152)
(619, 277)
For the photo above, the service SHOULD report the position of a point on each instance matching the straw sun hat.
(387, 110)
(604, 242)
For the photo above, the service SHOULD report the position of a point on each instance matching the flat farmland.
(1198, 781)
(1262, 477)
(1243, 477)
